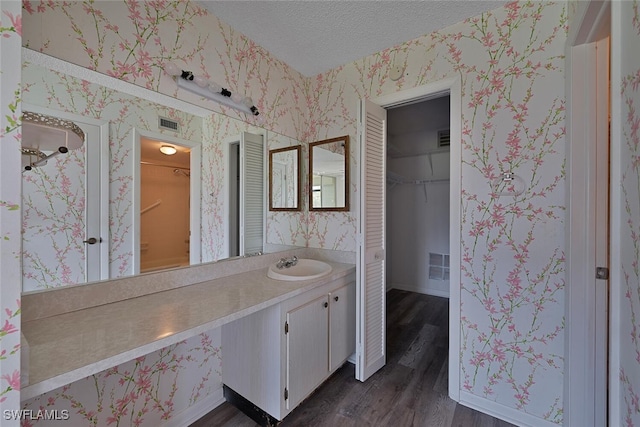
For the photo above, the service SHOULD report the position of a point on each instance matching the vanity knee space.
(278, 356)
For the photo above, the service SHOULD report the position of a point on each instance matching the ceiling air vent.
(164, 123)
(444, 138)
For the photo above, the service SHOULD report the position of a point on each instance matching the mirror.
(329, 175)
(115, 118)
(284, 179)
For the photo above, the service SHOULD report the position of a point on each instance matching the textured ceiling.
(318, 35)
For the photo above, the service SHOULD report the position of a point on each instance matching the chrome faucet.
(286, 263)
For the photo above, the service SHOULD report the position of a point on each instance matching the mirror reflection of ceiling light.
(168, 150)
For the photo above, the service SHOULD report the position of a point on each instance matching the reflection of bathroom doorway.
(167, 231)
(164, 203)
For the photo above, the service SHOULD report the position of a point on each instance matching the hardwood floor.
(411, 390)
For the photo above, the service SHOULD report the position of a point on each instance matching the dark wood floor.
(411, 390)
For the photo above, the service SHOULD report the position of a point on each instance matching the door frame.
(102, 161)
(452, 87)
(226, 193)
(581, 307)
(195, 213)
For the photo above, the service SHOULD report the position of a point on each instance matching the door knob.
(92, 241)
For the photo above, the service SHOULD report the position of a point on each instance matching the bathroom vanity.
(87, 329)
(273, 359)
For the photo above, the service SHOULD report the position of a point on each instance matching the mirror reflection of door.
(165, 182)
(62, 209)
(246, 195)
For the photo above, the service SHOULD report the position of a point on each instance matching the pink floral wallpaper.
(629, 316)
(135, 39)
(510, 64)
(147, 391)
(10, 112)
(289, 228)
(55, 193)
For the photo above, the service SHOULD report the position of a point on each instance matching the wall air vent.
(164, 123)
(444, 138)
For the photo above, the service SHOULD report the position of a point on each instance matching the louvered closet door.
(371, 251)
(252, 190)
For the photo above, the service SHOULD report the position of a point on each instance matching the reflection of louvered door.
(371, 251)
(252, 190)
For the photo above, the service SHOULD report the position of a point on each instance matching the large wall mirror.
(284, 178)
(329, 174)
(56, 232)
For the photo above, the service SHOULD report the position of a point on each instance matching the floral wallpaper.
(510, 64)
(53, 196)
(148, 390)
(135, 39)
(289, 227)
(10, 112)
(629, 316)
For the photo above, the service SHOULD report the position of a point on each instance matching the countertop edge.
(49, 384)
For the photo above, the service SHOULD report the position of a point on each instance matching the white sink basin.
(305, 269)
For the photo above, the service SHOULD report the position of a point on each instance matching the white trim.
(417, 94)
(195, 184)
(196, 411)
(73, 70)
(226, 211)
(580, 394)
(506, 413)
(616, 209)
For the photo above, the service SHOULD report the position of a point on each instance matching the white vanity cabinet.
(278, 356)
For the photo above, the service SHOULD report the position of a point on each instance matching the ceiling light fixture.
(200, 85)
(168, 150)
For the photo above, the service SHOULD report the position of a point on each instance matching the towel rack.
(151, 206)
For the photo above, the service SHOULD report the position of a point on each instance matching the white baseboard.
(420, 290)
(196, 411)
(502, 412)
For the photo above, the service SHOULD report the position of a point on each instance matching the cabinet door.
(342, 329)
(307, 349)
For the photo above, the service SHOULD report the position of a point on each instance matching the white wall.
(417, 224)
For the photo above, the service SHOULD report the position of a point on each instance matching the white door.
(307, 349)
(601, 228)
(370, 327)
(251, 193)
(64, 213)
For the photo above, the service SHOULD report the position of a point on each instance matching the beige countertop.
(68, 347)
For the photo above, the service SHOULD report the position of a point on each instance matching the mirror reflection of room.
(284, 179)
(329, 174)
(164, 205)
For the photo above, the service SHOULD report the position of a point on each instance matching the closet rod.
(164, 166)
(426, 181)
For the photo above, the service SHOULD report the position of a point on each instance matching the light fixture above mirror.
(329, 175)
(209, 89)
